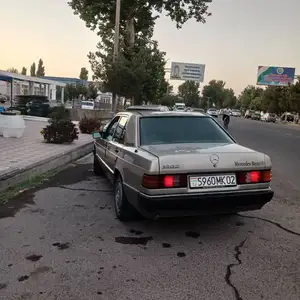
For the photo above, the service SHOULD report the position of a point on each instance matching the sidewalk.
(29, 156)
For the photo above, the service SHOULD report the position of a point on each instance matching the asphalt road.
(63, 241)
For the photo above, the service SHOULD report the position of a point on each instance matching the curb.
(17, 176)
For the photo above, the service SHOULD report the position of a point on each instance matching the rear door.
(102, 142)
(115, 146)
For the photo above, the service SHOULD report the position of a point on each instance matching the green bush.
(89, 125)
(60, 129)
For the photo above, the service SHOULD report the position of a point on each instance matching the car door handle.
(117, 150)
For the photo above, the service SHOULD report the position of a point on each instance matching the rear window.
(180, 130)
(272, 115)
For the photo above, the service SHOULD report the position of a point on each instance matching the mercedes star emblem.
(214, 159)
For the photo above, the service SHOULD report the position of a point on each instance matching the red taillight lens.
(151, 181)
(254, 177)
(169, 181)
(164, 181)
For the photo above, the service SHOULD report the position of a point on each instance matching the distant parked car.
(236, 113)
(201, 110)
(287, 117)
(256, 116)
(269, 117)
(212, 112)
(249, 113)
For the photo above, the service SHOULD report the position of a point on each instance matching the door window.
(119, 133)
(108, 134)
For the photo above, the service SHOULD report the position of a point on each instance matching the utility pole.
(116, 47)
(117, 29)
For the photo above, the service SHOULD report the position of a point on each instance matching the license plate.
(212, 181)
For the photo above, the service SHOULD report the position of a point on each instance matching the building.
(15, 84)
(67, 80)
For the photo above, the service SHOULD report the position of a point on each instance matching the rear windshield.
(272, 115)
(179, 130)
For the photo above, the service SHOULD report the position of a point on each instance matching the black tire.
(97, 167)
(124, 210)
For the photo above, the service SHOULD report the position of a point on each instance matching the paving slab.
(30, 155)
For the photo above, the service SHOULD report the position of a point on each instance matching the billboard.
(275, 76)
(187, 71)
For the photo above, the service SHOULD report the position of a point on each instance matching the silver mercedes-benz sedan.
(167, 164)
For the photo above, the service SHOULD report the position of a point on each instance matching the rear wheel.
(97, 166)
(124, 210)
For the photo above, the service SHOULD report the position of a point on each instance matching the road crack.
(84, 190)
(271, 222)
(228, 274)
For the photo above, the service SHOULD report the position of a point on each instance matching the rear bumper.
(189, 205)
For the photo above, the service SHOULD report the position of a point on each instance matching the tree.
(214, 93)
(137, 20)
(169, 100)
(137, 17)
(12, 70)
(247, 96)
(33, 70)
(189, 91)
(71, 92)
(138, 74)
(84, 74)
(41, 69)
(92, 91)
(230, 100)
(24, 71)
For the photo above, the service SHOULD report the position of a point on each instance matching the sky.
(238, 37)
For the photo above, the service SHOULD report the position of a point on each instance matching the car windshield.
(180, 130)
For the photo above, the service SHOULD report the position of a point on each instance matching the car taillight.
(254, 177)
(164, 181)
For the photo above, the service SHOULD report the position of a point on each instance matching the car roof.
(145, 113)
(145, 107)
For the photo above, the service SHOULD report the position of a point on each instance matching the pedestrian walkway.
(29, 155)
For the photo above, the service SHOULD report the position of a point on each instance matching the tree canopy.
(33, 70)
(24, 71)
(189, 91)
(12, 70)
(215, 93)
(84, 74)
(40, 69)
(138, 72)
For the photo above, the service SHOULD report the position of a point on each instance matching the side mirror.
(97, 134)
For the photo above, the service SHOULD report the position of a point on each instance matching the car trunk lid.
(206, 157)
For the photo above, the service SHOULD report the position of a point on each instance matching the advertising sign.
(187, 72)
(275, 76)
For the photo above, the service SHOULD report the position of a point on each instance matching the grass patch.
(29, 184)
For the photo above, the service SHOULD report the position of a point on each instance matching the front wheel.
(124, 210)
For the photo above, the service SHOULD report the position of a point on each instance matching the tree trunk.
(130, 32)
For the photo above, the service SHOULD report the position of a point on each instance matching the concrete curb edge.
(18, 176)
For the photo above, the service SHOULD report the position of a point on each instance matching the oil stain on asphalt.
(34, 257)
(61, 246)
(192, 234)
(133, 240)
